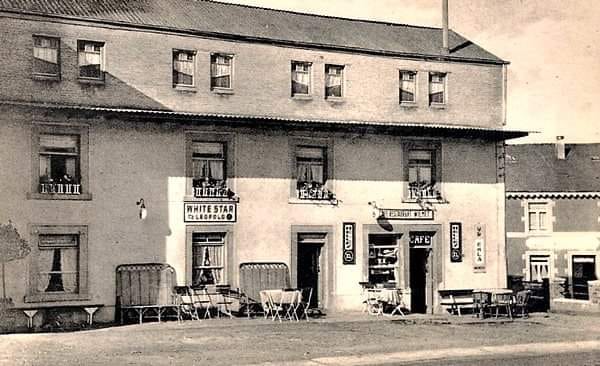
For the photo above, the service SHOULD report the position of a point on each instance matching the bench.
(456, 299)
(32, 310)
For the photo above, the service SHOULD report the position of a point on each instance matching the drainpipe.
(445, 47)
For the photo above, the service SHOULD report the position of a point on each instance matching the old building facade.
(250, 136)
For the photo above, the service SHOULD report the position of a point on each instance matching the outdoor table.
(489, 294)
(286, 298)
(388, 296)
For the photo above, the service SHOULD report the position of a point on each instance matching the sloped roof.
(536, 168)
(260, 24)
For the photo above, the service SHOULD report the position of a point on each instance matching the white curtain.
(69, 269)
(44, 267)
(86, 59)
(46, 54)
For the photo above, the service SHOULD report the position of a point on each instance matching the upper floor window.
(408, 86)
(423, 170)
(59, 164)
(221, 67)
(538, 216)
(334, 79)
(437, 88)
(301, 78)
(312, 173)
(60, 155)
(91, 59)
(208, 164)
(46, 56)
(58, 269)
(183, 68)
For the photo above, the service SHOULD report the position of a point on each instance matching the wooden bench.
(456, 299)
(31, 310)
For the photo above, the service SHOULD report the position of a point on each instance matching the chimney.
(560, 147)
(445, 46)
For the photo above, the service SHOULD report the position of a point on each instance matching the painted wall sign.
(349, 246)
(455, 242)
(420, 239)
(479, 247)
(405, 214)
(209, 212)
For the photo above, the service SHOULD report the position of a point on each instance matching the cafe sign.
(349, 246)
(405, 214)
(209, 212)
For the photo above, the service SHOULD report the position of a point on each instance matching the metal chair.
(276, 308)
(304, 303)
(374, 306)
(203, 300)
(224, 301)
(265, 303)
(187, 307)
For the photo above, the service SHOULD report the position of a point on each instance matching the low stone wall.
(594, 289)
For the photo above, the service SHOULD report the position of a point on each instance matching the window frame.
(229, 151)
(549, 217)
(413, 102)
(50, 129)
(329, 178)
(231, 58)
(342, 77)
(87, 79)
(228, 252)
(538, 253)
(436, 172)
(445, 88)
(35, 231)
(309, 93)
(194, 54)
(41, 75)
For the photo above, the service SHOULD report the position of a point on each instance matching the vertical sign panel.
(349, 250)
(455, 242)
(479, 248)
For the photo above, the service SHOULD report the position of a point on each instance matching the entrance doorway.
(419, 279)
(584, 270)
(309, 265)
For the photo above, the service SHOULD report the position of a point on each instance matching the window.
(408, 86)
(60, 155)
(301, 79)
(46, 56)
(422, 174)
(539, 267)
(91, 60)
(437, 88)
(538, 215)
(334, 78)
(208, 258)
(209, 164)
(311, 172)
(58, 263)
(383, 259)
(221, 71)
(183, 68)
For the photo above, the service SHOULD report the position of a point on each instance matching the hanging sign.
(349, 246)
(455, 242)
(420, 239)
(479, 247)
(405, 214)
(209, 212)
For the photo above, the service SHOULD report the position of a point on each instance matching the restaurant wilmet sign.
(405, 214)
(209, 212)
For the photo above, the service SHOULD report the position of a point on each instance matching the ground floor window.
(208, 258)
(383, 259)
(58, 263)
(583, 270)
(539, 267)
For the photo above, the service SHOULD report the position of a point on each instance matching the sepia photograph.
(302, 183)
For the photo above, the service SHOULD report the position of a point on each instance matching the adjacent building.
(553, 218)
(213, 137)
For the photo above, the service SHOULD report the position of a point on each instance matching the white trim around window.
(538, 216)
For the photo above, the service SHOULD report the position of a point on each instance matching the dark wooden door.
(418, 279)
(308, 270)
(584, 270)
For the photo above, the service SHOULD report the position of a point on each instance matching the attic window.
(595, 158)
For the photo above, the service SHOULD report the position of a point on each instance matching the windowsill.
(48, 297)
(91, 81)
(437, 105)
(223, 91)
(64, 197)
(185, 88)
(302, 97)
(336, 100)
(298, 201)
(408, 104)
(190, 198)
(45, 77)
(426, 200)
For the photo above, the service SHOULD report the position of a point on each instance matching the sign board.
(349, 246)
(479, 247)
(209, 212)
(405, 214)
(420, 239)
(455, 242)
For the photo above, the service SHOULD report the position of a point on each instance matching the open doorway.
(309, 265)
(418, 279)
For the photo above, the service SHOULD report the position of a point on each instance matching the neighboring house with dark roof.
(553, 216)
(249, 137)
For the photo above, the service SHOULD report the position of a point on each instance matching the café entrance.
(420, 274)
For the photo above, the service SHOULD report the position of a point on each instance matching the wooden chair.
(503, 301)
(187, 307)
(521, 302)
(481, 303)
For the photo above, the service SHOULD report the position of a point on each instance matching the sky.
(553, 47)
